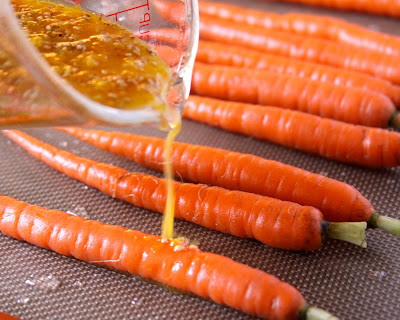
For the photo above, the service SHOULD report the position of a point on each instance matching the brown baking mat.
(35, 283)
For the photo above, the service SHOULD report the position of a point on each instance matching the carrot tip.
(314, 313)
(353, 232)
(387, 224)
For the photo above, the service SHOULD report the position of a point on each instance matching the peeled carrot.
(171, 11)
(277, 223)
(168, 54)
(300, 47)
(249, 173)
(11, 115)
(332, 139)
(4, 316)
(319, 26)
(383, 7)
(166, 36)
(230, 55)
(351, 105)
(173, 263)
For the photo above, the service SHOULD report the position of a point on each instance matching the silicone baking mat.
(35, 283)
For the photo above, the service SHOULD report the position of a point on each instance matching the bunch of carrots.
(289, 87)
(286, 207)
(302, 81)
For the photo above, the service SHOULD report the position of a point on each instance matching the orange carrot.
(351, 105)
(16, 114)
(332, 139)
(166, 36)
(173, 263)
(4, 316)
(279, 224)
(230, 55)
(383, 7)
(171, 11)
(300, 47)
(247, 172)
(319, 26)
(168, 54)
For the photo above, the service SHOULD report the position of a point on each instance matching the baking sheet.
(350, 282)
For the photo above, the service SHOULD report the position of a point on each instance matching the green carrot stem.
(387, 224)
(353, 232)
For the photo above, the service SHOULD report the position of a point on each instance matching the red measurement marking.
(130, 9)
(77, 1)
(142, 28)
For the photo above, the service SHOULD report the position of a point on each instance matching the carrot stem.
(314, 313)
(353, 232)
(387, 224)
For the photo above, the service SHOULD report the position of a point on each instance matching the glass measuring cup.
(35, 95)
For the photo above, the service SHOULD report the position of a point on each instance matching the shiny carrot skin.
(350, 105)
(169, 262)
(236, 171)
(277, 223)
(318, 26)
(383, 7)
(336, 140)
(235, 56)
(304, 48)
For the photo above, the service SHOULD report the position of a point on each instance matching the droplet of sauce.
(136, 301)
(43, 282)
(377, 274)
(23, 300)
(63, 144)
(79, 211)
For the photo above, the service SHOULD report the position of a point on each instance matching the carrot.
(4, 316)
(18, 114)
(300, 47)
(171, 11)
(230, 55)
(279, 224)
(247, 172)
(168, 54)
(318, 26)
(332, 139)
(166, 36)
(351, 105)
(383, 7)
(171, 262)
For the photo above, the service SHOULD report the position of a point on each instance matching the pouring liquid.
(106, 63)
(167, 229)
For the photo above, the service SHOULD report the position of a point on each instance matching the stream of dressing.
(167, 228)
